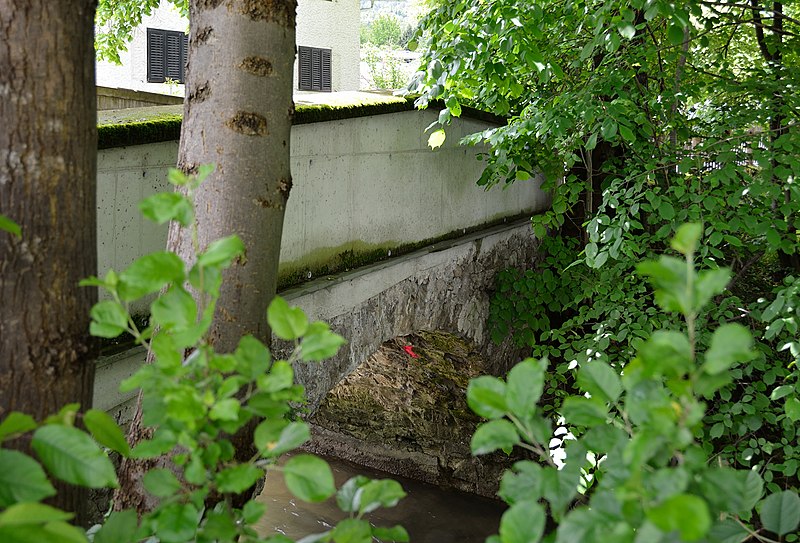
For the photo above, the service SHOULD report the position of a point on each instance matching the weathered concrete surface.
(444, 287)
(408, 415)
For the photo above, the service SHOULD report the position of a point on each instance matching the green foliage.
(385, 68)
(635, 466)
(647, 114)
(384, 31)
(195, 399)
(9, 226)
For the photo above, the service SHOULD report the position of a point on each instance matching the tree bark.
(48, 152)
(237, 115)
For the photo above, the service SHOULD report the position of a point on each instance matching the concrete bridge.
(363, 186)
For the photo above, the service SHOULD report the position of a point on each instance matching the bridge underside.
(444, 287)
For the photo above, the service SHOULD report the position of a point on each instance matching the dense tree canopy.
(643, 115)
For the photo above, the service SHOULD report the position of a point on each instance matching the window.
(314, 69)
(166, 55)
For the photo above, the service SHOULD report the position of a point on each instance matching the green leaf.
(31, 513)
(600, 380)
(352, 530)
(320, 343)
(665, 209)
(348, 497)
(709, 284)
(10, 226)
(792, 409)
(177, 523)
(584, 411)
(523, 522)
(220, 253)
(486, 397)
(688, 235)
(177, 177)
(667, 353)
(780, 512)
(72, 456)
(728, 531)
(627, 133)
(436, 139)
(525, 383)
(174, 309)
(167, 206)
(16, 423)
(239, 478)
(119, 527)
(675, 34)
(521, 483)
(149, 274)
(280, 377)
(730, 344)
(161, 482)
(453, 106)
(109, 319)
(286, 322)
(252, 357)
(22, 479)
(398, 534)
(105, 431)
(494, 435)
(627, 31)
(685, 513)
(253, 511)
(227, 409)
(309, 478)
(274, 441)
(732, 491)
(380, 493)
(781, 391)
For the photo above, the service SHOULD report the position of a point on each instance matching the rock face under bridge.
(445, 287)
(406, 413)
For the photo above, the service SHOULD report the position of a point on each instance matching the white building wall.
(329, 24)
(332, 24)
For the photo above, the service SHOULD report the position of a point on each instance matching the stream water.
(429, 513)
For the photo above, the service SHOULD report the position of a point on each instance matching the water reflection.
(430, 514)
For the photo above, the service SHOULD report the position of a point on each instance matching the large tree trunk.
(237, 115)
(48, 151)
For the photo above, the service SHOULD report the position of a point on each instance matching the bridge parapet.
(362, 186)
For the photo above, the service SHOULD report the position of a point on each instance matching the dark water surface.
(430, 514)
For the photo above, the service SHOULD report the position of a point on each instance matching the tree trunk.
(48, 151)
(237, 115)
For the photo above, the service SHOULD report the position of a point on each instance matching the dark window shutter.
(156, 51)
(166, 55)
(304, 68)
(316, 72)
(184, 56)
(174, 67)
(325, 68)
(314, 69)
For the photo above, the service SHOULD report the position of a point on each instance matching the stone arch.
(443, 287)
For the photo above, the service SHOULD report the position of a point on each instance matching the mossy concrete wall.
(363, 186)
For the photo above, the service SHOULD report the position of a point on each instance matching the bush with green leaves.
(195, 399)
(384, 31)
(635, 469)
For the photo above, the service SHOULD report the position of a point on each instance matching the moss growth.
(139, 126)
(163, 127)
(335, 260)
